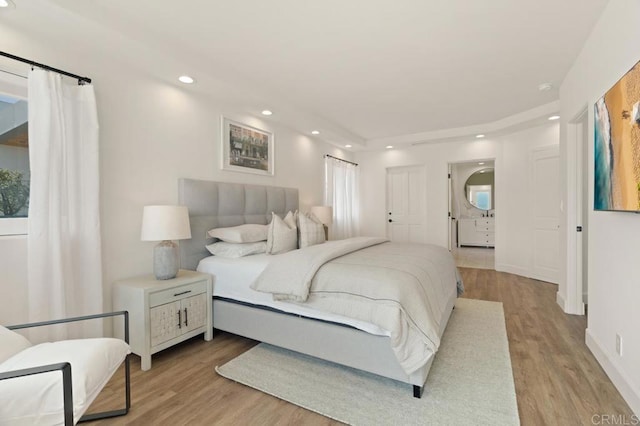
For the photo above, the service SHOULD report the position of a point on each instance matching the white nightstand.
(163, 313)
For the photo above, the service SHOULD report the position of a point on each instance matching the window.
(479, 196)
(14, 160)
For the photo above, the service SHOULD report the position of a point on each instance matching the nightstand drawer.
(177, 293)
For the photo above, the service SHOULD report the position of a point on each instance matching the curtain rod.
(81, 80)
(340, 159)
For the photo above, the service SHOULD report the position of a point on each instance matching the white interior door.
(406, 204)
(545, 191)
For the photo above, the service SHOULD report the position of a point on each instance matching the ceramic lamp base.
(165, 260)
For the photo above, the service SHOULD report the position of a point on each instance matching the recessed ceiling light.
(554, 117)
(347, 146)
(481, 163)
(266, 112)
(389, 146)
(480, 136)
(183, 78)
(6, 3)
(481, 171)
(315, 132)
(545, 87)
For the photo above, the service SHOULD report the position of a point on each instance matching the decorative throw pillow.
(247, 233)
(311, 230)
(291, 219)
(235, 250)
(282, 237)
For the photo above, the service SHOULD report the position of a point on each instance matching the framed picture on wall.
(617, 146)
(246, 149)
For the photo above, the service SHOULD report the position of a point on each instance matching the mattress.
(233, 278)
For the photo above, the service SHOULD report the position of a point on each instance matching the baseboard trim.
(560, 301)
(615, 373)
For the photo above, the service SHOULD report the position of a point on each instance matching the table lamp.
(164, 224)
(325, 215)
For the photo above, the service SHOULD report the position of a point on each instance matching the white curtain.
(64, 256)
(341, 192)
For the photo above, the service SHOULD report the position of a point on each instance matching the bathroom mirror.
(479, 189)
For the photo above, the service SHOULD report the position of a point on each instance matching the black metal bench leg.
(127, 391)
(417, 391)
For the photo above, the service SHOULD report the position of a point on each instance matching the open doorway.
(472, 213)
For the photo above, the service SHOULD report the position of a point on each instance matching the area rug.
(470, 382)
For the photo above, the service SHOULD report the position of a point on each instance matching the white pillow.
(235, 250)
(247, 233)
(37, 399)
(311, 230)
(11, 343)
(291, 219)
(282, 237)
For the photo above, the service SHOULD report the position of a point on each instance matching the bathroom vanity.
(476, 231)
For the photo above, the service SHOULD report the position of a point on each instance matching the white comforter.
(403, 288)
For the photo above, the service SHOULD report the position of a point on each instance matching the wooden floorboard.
(557, 379)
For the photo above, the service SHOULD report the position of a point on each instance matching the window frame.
(16, 87)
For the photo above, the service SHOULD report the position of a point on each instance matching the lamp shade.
(161, 223)
(323, 213)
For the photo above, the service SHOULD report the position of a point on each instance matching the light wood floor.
(474, 257)
(557, 380)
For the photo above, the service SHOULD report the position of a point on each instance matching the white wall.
(13, 289)
(145, 149)
(515, 211)
(511, 153)
(436, 158)
(614, 289)
(151, 134)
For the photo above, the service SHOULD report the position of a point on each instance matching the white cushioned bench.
(54, 383)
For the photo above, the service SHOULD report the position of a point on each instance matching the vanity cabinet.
(478, 231)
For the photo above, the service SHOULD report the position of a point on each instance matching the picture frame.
(246, 148)
(617, 146)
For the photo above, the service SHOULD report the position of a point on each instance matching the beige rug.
(470, 382)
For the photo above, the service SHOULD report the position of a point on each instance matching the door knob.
(390, 220)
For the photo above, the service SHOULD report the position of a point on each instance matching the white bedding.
(403, 288)
(233, 277)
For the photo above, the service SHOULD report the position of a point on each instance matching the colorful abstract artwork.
(617, 145)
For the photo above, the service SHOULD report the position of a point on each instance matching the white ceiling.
(369, 72)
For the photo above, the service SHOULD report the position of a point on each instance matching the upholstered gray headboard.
(221, 204)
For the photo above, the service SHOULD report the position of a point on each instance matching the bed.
(239, 310)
